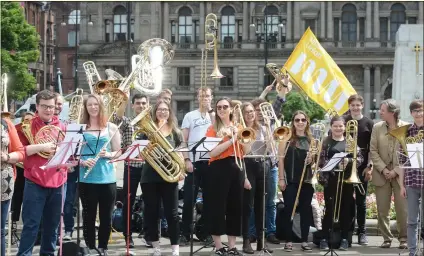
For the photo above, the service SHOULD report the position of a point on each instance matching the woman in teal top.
(99, 186)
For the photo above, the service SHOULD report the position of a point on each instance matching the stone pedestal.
(407, 80)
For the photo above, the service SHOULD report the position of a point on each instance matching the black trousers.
(18, 194)
(135, 177)
(153, 194)
(303, 207)
(224, 196)
(361, 204)
(104, 196)
(346, 216)
(253, 198)
(190, 193)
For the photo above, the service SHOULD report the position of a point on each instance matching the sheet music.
(133, 150)
(415, 151)
(209, 144)
(71, 143)
(333, 162)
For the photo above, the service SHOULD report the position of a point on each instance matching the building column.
(367, 90)
(368, 21)
(358, 28)
(166, 33)
(296, 21)
(340, 31)
(376, 20)
(246, 23)
(388, 29)
(420, 12)
(202, 22)
(377, 84)
(137, 24)
(252, 35)
(322, 19)
(330, 21)
(289, 21)
(101, 23)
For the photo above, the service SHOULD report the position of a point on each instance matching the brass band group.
(256, 156)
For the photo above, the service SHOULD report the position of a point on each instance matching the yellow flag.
(316, 73)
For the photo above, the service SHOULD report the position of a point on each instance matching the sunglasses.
(297, 120)
(223, 107)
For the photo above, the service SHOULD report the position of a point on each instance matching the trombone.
(318, 130)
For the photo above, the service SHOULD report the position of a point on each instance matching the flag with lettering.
(317, 74)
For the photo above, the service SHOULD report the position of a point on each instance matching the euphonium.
(159, 153)
(246, 134)
(278, 72)
(46, 134)
(3, 97)
(75, 107)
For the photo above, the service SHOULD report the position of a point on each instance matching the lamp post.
(374, 109)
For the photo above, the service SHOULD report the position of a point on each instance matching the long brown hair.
(255, 125)
(217, 125)
(85, 118)
(294, 138)
(172, 120)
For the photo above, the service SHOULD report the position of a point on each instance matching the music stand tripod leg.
(331, 231)
(264, 250)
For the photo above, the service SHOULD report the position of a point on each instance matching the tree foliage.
(297, 101)
(19, 46)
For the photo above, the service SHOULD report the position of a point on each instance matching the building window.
(183, 107)
(185, 26)
(71, 38)
(227, 80)
(283, 31)
(349, 23)
(132, 29)
(173, 31)
(361, 29)
(54, 32)
(336, 29)
(183, 76)
(108, 30)
(272, 20)
(33, 18)
(397, 18)
(120, 23)
(310, 23)
(48, 56)
(197, 30)
(412, 20)
(240, 31)
(74, 17)
(228, 26)
(383, 29)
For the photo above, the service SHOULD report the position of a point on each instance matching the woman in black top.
(336, 143)
(290, 168)
(155, 189)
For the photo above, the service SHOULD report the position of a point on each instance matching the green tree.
(297, 101)
(19, 46)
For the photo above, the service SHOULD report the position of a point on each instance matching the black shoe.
(252, 239)
(221, 251)
(234, 251)
(129, 242)
(344, 245)
(164, 232)
(362, 239)
(184, 241)
(272, 239)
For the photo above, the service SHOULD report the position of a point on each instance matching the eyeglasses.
(47, 107)
(418, 111)
(163, 110)
(143, 103)
(223, 107)
(297, 120)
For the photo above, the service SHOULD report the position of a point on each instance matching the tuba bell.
(158, 153)
(400, 134)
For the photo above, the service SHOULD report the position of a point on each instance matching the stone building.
(360, 36)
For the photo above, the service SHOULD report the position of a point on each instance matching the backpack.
(117, 217)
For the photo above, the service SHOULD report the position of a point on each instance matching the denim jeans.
(414, 203)
(4, 215)
(40, 202)
(68, 208)
(270, 206)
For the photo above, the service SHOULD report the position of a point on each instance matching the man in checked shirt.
(412, 180)
(139, 103)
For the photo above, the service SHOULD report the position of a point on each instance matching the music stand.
(414, 160)
(206, 144)
(131, 154)
(331, 166)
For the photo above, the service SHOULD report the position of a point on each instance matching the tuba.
(158, 153)
(75, 107)
(46, 134)
(95, 83)
(3, 97)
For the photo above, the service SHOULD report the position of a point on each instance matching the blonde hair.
(255, 125)
(218, 125)
(85, 118)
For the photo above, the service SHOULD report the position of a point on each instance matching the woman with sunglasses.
(99, 186)
(336, 143)
(156, 190)
(290, 171)
(253, 195)
(224, 183)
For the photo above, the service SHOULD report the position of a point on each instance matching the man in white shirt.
(194, 127)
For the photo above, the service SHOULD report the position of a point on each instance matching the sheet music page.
(415, 151)
(209, 144)
(333, 162)
(132, 153)
(76, 137)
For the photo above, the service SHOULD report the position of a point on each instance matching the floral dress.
(7, 173)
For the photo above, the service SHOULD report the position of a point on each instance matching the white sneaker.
(174, 253)
(68, 236)
(156, 252)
